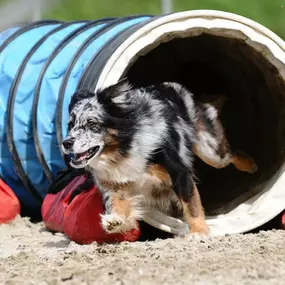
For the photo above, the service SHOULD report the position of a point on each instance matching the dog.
(139, 146)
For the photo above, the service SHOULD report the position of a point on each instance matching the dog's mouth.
(81, 159)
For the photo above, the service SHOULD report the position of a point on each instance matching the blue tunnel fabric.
(10, 59)
(19, 113)
(41, 65)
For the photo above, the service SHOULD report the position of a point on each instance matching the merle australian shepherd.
(139, 144)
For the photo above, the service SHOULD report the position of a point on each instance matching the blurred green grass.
(270, 13)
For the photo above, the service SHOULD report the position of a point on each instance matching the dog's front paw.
(197, 236)
(113, 223)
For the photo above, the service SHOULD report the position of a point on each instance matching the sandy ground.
(31, 255)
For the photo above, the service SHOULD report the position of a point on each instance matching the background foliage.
(270, 13)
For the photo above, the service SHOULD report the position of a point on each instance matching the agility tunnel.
(210, 52)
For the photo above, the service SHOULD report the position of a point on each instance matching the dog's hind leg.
(192, 208)
(211, 156)
(187, 192)
(216, 159)
(212, 145)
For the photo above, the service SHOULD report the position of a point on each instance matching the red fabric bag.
(283, 220)
(82, 220)
(79, 220)
(9, 203)
(54, 205)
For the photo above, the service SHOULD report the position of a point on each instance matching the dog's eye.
(70, 126)
(91, 123)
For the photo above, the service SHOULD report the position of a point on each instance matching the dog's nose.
(68, 143)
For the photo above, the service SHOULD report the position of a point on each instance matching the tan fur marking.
(156, 193)
(117, 186)
(244, 163)
(111, 150)
(194, 213)
(110, 138)
(121, 205)
(163, 190)
(160, 193)
(159, 172)
(112, 132)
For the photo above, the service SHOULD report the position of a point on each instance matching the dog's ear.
(79, 95)
(117, 89)
(115, 93)
(122, 86)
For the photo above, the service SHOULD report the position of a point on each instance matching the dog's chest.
(153, 183)
(155, 186)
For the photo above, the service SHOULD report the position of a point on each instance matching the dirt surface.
(31, 255)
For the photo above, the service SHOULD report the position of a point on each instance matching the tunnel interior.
(252, 116)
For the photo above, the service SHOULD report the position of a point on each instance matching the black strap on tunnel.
(52, 56)
(10, 142)
(90, 39)
(10, 112)
(90, 77)
(25, 29)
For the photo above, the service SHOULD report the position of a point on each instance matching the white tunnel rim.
(120, 59)
(257, 210)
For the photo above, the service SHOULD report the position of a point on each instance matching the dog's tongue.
(82, 155)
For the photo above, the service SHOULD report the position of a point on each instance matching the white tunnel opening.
(243, 61)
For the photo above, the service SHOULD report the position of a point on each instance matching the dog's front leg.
(120, 214)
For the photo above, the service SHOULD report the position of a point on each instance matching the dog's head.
(98, 121)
